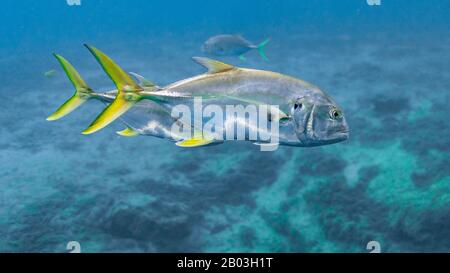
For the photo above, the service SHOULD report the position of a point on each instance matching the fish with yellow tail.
(290, 110)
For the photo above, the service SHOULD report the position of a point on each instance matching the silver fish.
(232, 45)
(307, 115)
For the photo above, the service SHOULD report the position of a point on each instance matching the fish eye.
(335, 113)
(298, 105)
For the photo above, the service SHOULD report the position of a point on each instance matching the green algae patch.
(393, 186)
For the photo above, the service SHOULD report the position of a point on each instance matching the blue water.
(388, 66)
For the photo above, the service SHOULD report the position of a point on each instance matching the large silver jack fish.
(306, 115)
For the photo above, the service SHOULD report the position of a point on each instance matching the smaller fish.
(232, 45)
(50, 73)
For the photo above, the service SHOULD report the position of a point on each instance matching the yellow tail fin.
(109, 114)
(128, 92)
(82, 91)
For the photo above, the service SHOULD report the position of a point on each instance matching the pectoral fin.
(272, 111)
(282, 117)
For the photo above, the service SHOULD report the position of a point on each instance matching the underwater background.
(387, 66)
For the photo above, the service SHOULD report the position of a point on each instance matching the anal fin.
(194, 142)
(128, 132)
(197, 140)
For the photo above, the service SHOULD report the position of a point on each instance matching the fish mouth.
(331, 139)
(340, 136)
(336, 137)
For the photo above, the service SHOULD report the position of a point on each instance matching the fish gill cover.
(387, 65)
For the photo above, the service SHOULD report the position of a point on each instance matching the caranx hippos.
(232, 45)
(305, 116)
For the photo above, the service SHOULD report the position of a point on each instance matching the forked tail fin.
(261, 47)
(82, 91)
(127, 96)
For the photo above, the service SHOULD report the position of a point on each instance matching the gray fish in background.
(232, 45)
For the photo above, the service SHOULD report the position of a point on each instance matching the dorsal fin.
(213, 66)
(142, 81)
(238, 35)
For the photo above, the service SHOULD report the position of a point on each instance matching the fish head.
(210, 46)
(215, 47)
(318, 120)
(206, 47)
